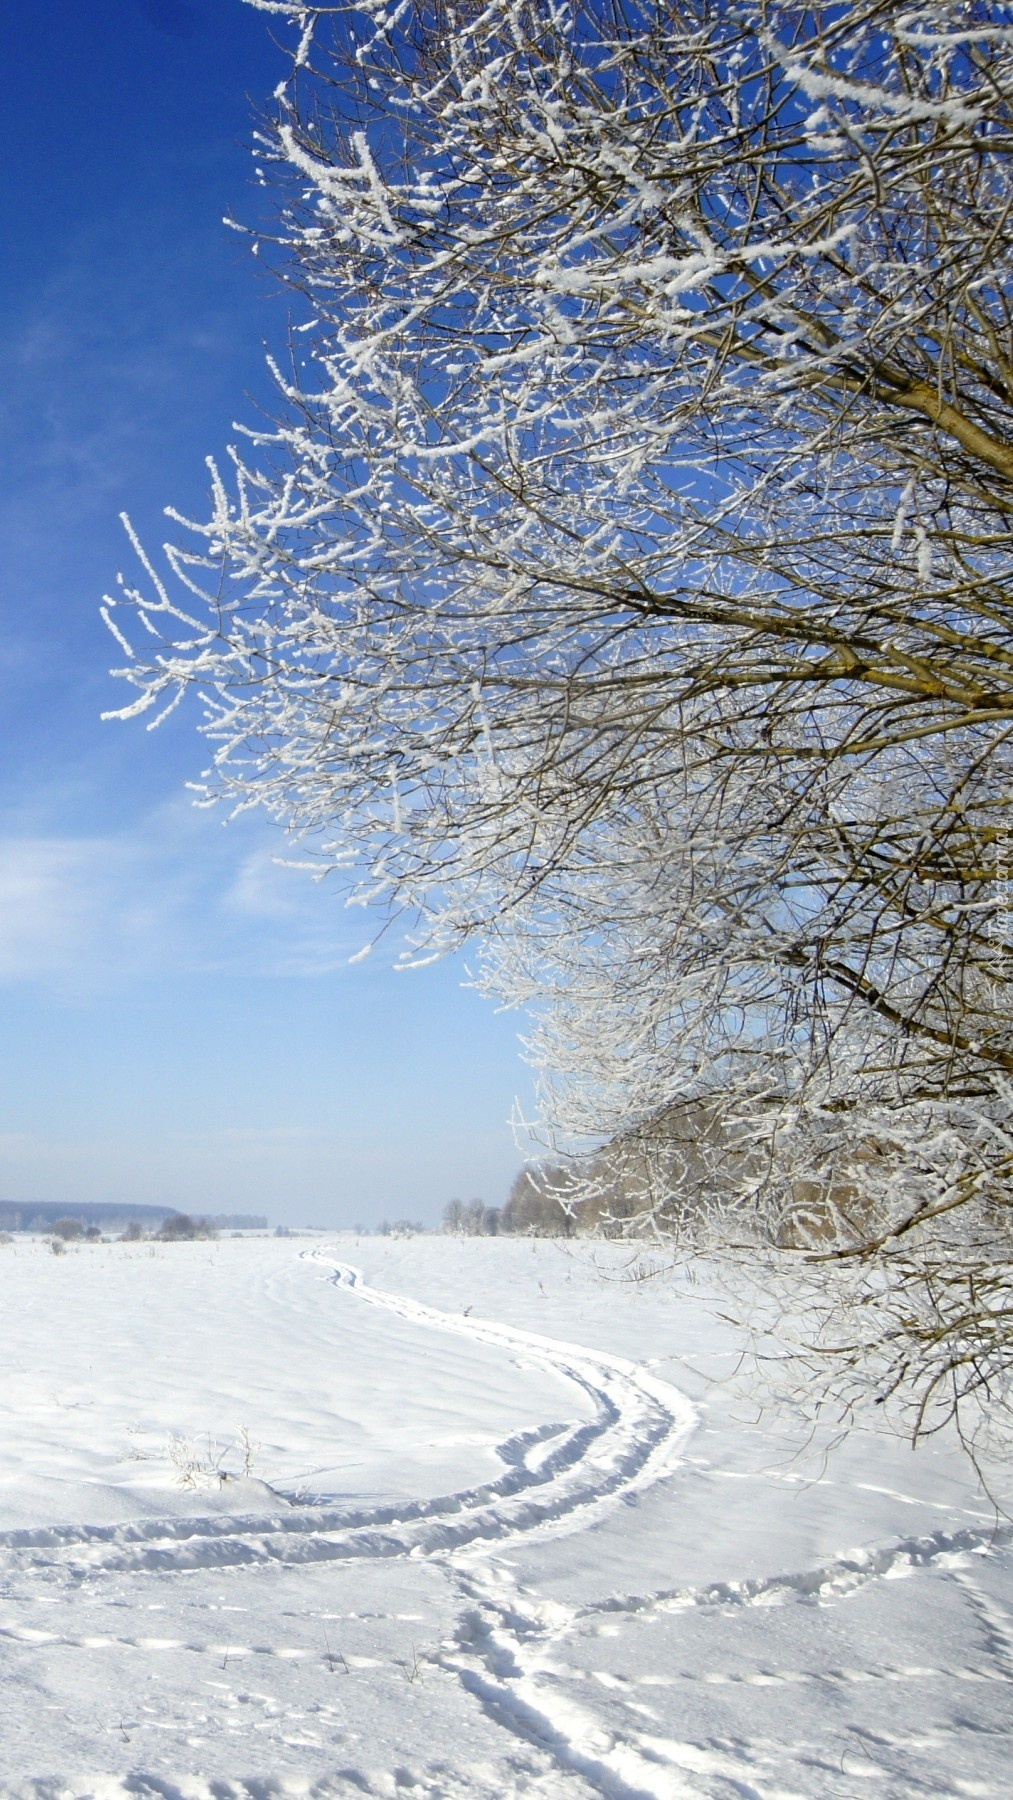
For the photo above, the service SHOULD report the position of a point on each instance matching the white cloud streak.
(176, 892)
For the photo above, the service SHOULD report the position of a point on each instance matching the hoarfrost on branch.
(626, 584)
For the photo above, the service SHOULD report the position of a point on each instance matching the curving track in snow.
(558, 1477)
(812, 1681)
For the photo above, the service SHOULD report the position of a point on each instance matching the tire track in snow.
(558, 1477)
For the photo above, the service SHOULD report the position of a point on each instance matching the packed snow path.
(635, 1603)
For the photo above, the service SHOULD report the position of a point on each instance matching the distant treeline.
(539, 1205)
(43, 1215)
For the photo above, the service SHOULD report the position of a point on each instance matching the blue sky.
(179, 1022)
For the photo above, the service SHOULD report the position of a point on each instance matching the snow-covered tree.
(626, 581)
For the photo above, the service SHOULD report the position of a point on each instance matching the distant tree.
(543, 1202)
(481, 1220)
(68, 1229)
(132, 1233)
(180, 1225)
(474, 1218)
(453, 1216)
(471, 1219)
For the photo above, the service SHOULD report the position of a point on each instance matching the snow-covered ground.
(462, 1518)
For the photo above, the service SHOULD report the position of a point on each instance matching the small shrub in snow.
(247, 1447)
(196, 1467)
(200, 1462)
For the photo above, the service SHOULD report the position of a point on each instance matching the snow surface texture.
(487, 1520)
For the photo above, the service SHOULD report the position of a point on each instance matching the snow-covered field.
(494, 1522)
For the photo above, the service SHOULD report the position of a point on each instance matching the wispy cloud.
(177, 891)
